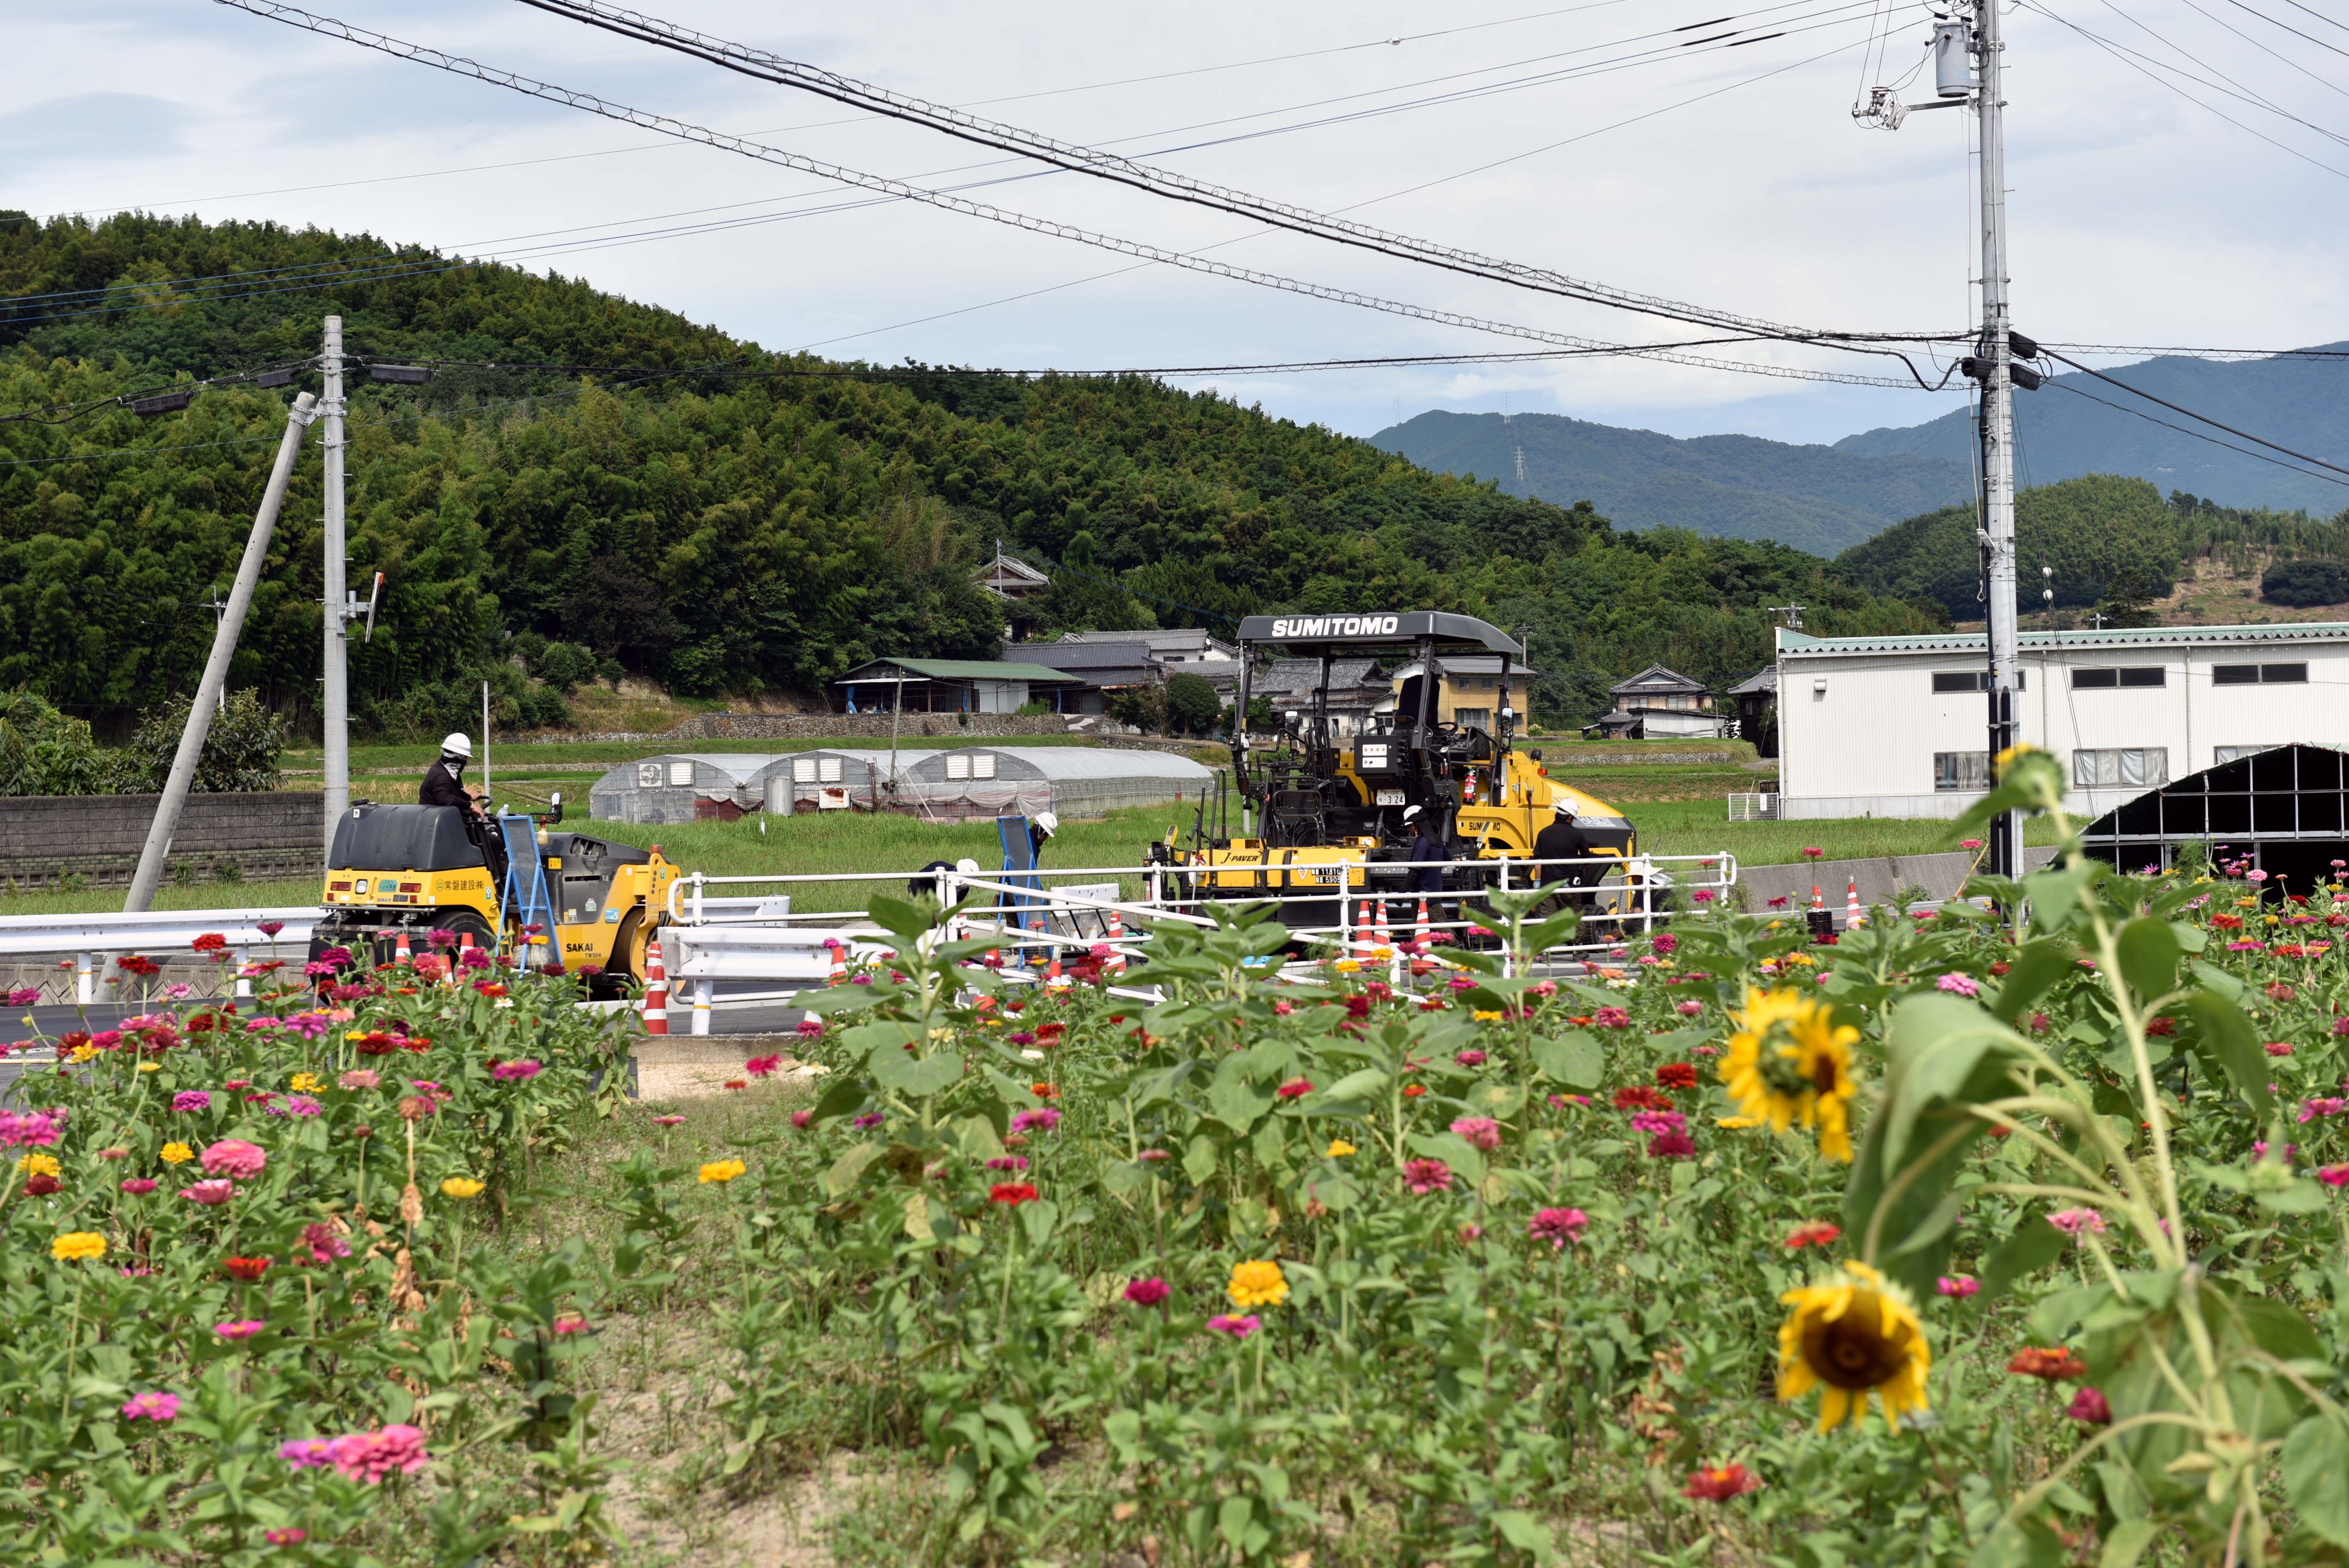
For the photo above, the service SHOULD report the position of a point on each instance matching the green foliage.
(43, 752)
(2301, 583)
(1192, 706)
(728, 535)
(241, 748)
(2087, 529)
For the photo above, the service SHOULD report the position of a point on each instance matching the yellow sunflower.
(1855, 1332)
(1790, 1063)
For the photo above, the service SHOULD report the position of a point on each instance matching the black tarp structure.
(2286, 809)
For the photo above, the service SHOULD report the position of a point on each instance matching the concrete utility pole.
(1996, 354)
(206, 705)
(336, 699)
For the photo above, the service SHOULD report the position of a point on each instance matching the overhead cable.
(1079, 159)
(422, 54)
(2205, 418)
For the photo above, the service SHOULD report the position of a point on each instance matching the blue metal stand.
(1020, 909)
(523, 900)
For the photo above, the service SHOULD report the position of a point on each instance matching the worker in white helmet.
(444, 785)
(1041, 827)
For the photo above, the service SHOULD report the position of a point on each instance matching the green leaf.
(849, 1169)
(866, 1040)
(2316, 1477)
(2227, 1035)
(842, 1095)
(2053, 893)
(1936, 1040)
(2034, 1245)
(2127, 1542)
(1199, 1158)
(920, 1076)
(1574, 1061)
(2148, 956)
(2302, 1197)
(1236, 1102)
(1364, 1085)
(1124, 1177)
(899, 919)
(1935, 1225)
(1523, 1532)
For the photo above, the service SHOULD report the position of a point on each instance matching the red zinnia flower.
(2054, 1364)
(759, 1067)
(1817, 1234)
(40, 1185)
(1414, 1090)
(1719, 1483)
(1295, 1088)
(1676, 1075)
(2089, 1407)
(1011, 1195)
(1640, 1096)
(247, 1269)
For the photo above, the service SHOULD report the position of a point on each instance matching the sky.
(1609, 139)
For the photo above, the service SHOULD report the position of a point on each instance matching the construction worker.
(1564, 839)
(444, 785)
(1041, 827)
(1424, 846)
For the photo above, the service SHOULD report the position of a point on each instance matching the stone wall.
(260, 834)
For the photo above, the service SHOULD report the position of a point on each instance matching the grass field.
(838, 841)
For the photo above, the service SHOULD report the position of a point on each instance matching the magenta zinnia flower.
(243, 1328)
(306, 1453)
(1482, 1132)
(158, 1407)
(1557, 1226)
(139, 1186)
(1239, 1328)
(1956, 1285)
(1147, 1291)
(1045, 1120)
(1672, 1146)
(191, 1100)
(1427, 1176)
(509, 1072)
(217, 1190)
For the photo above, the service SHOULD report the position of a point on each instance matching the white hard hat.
(1410, 812)
(1048, 821)
(1564, 806)
(461, 744)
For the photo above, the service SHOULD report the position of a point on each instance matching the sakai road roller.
(1323, 810)
(414, 869)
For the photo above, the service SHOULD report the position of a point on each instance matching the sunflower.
(1789, 1062)
(1855, 1332)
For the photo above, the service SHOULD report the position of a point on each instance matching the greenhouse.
(836, 780)
(681, 787)
(1071, 781)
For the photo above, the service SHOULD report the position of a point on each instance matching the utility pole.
(1996, 354)
(201, 711)
(336, 699)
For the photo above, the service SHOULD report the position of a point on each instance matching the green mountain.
(2078, 425)
(1818, 499)
(2089, 530)
(709, 515)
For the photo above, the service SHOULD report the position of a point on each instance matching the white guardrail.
(86, 943)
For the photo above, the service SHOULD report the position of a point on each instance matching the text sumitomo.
(1336, 626)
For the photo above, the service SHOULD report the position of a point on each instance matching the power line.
(2296, 31)
(457, 65)
(2205, 418)
(1080, 158)
(2198, 435)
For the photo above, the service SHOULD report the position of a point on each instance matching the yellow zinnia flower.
(39, 1165)
(1485, 1018)
(177, 1154)
(151, 1066)
(1348, 966)
(461, 1187)
(1258, 1283)
(1737, 1123)
(78, 1244)
(1339, 1149)
(1855, 1332)
(306, 1083)
(82, 1052)
(722, 1170)
(1789, 1062)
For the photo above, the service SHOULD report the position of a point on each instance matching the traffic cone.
(399, 952)
(1386, 937)
(464, 942)
(655, 989)
(1363, 944)
(1054, 979)
(1818, 904)
(1852, 914)
(1419, 936)
(839, 962)
(1116, 964)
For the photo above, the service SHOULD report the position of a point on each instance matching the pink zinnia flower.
(191, 1100)
(1470, 1059)
(371, 1456)
(157, 1408)
(1239, 1328)
(2277, 1048)
(306, 1453)
(1427, 1176)
(509, 1072)
(2322, 1105)
(2334, 1175)
(292, 1535)
(760, 1067)
(2073, 1222)
(1612, 1018)
(1008, 1163)
(1557, 1226)
(2090, 1409)
(234, 1157)
(1689, 1009)
(1658, 1121)
(359, 1078)
(800, 1120)
(244, 1328)
(31, 1130)
(1045, 1120)
(1482, 1132)
(324, 1246)
(1957, 1285)
(1147, 1291)
(139, 1186)
(218, 1190)
(1959, 984)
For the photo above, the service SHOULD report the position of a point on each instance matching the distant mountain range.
(1827, 499)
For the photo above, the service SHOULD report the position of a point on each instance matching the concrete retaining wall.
(260, 834)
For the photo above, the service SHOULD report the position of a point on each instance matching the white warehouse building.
(1894, 726)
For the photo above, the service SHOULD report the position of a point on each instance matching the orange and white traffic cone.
(655, 989)
(839, 963)
(1852, 914)
(1419, 936)
(399, 952)
(1116, 964)
(1363, 944)
(1818, 904)
(1054, 979)
(1386, 937)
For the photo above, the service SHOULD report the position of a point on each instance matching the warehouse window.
(1962, 771)
(2259, 674)
(2148, 765)
(1945, 681)
(2109, 678)
(2220, 754)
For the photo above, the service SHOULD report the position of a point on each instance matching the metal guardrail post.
(244, 980)
(85, 982)
(698, 881)
(703, 994)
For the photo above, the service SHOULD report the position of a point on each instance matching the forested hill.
(755, 522)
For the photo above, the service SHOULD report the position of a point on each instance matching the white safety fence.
(80, 947)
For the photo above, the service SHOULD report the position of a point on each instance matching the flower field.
(1954, 1241)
